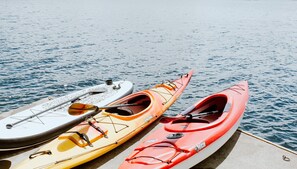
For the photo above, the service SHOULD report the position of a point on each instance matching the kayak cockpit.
(211, 109)
(136, 105)
(206, 114)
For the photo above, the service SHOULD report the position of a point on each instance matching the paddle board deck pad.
(193, 135)
(47, 120)
(110, 128)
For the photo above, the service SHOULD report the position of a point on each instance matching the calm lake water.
(53, 47)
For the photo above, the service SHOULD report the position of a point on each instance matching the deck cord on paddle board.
(9, 126)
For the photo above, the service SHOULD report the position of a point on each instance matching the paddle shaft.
(196, 115)
(9, 126)
(119, 105)
(205, 113)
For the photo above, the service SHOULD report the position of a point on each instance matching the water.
(51, 47)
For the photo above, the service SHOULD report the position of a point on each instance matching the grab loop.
(48, 152)
(285, 158)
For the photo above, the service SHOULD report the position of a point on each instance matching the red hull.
(207, 124)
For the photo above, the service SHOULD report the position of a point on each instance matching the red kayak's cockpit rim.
(174, 126)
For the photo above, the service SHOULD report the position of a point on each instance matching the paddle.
(186, 116)
(80, 108)
(188, 110)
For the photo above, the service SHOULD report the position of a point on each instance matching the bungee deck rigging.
(172, 86)
(166, 144)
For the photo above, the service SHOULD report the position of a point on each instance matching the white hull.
(208, 150)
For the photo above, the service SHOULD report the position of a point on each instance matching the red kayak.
(193, 135)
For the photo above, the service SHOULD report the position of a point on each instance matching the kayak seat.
(141, 102)
(217, 104)
(137, 105)
(120, 111)
(124, 112)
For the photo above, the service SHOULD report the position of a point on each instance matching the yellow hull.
(70, 150)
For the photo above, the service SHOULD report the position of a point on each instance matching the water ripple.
(53, 48)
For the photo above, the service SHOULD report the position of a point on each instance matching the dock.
(243, 150)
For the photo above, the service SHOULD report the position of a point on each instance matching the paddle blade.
(79, 108)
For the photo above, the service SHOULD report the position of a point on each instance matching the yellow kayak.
(114, 125)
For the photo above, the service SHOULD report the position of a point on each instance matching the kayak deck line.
(169, 85)
(241, 140)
